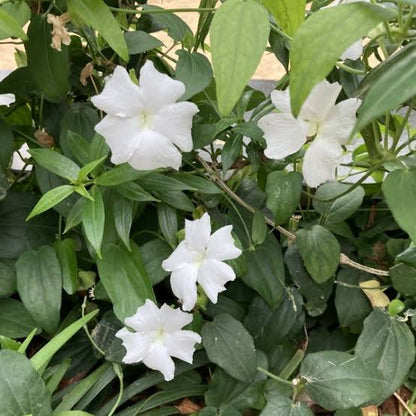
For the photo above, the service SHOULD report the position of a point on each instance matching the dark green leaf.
(229, 345)
(320, 252)
(139, 42)
(6, 145)
(123, 218)
(118, 175)
(259, 228)
(283, 191)
(168, 222)
(48, 67)
(7, 278)
(75, 215)
(388, 345)
(125, 279)
(15, 320)
(78, 146)
(200, 184)
(403, 278)
(239, 34)
(346, 24)
(284, 406)
(39, 283)
(337, 380)
(22, 389)
(65, 250)
(134, 192)
(153, 253)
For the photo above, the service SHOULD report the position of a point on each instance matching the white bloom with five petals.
(145, 125)
(199, 258)
(330, 124)
(156, 336)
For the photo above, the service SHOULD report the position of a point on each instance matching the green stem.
(349, 69)
(274, 377)
(292, 365)
(119, 371)
(83, 306)
(276, 29)
(161, 11)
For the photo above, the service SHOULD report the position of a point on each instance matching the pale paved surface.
(269, 68)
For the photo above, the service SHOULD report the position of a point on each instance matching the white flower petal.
(181, 257)
(283, 133)
(155, 151)
(7, 99)
(281, 100)
(221, 245)
(354, 51)
(122, 136)
(212, 276)
(320, 101)
(159, 359)
(183, 284)
(145, 319)
(340, 121)
(120, 96)
(175, 122)
(321, 159)
(158, 90)
(137, 345)
(174, 319)
(197, 233)
(181, 344)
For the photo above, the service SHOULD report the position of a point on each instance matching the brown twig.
(344, 259)
(403, 403)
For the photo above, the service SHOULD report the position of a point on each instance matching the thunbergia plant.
(178, 239)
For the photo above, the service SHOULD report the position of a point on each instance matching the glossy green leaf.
(93, 220)
(119, 175)
(48, 67)
(75, 215)
(123, 218)
(65, 250)
(328, 33)
(393, 87)
(50, 199)
(399, 188)
(239, 34)
(56, 163)
(125, 279)
(139, 42)
(289, 14)
(337, 380)
(134, 192)
(22, 389)
(259, 228)
(194, 70)
(284, 406)
(341, 208)
(266, 271)
(388, 345)
(229, 345)
(168, 222)
(96, 13)
(89, 167)
(320, 252)
(403, 278)
(39, 283)
(283, 190)
(15, 320)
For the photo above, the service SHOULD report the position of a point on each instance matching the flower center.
(198, 258)
(146, 120)
(160, 335)
(314, 126)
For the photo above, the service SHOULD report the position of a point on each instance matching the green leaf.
(139, 42)
(194, 70)
(283, 191)
(392, 88)
(125, 279)
(72, 413)
(351, 303)
(56, 163)
(89, 167)
(320, 252)
(19, 12)
(403, 278)
(328, 33)
(239, 34)
(39, 283)
(43, 356)
(162, 183)
(119, 175)
(289, 14)
(341, 208)
(75, 215)
(50, 199)
(93, 220)
(153, 254)
(230, 346)
(337, 380)
(96, 14)
(22, 389)
(134, 192)
(259, 228)
(65, 250)
(11, 26)
(6, 145)
(48, 67)
(123, 218)
(232, 149)
(388, 345)
(7, 278)
(399, 188)
(283, 406)
(265, 272)
(15, 320)
(198, 183)
(168, 222)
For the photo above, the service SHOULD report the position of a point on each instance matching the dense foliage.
(156, 207)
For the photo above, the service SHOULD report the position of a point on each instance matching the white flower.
(144, 125)
(200, 259)
(330, 124)
(157, 337)
(6, 99)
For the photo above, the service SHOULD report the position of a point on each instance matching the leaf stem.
(292, 365)
(273, 376)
